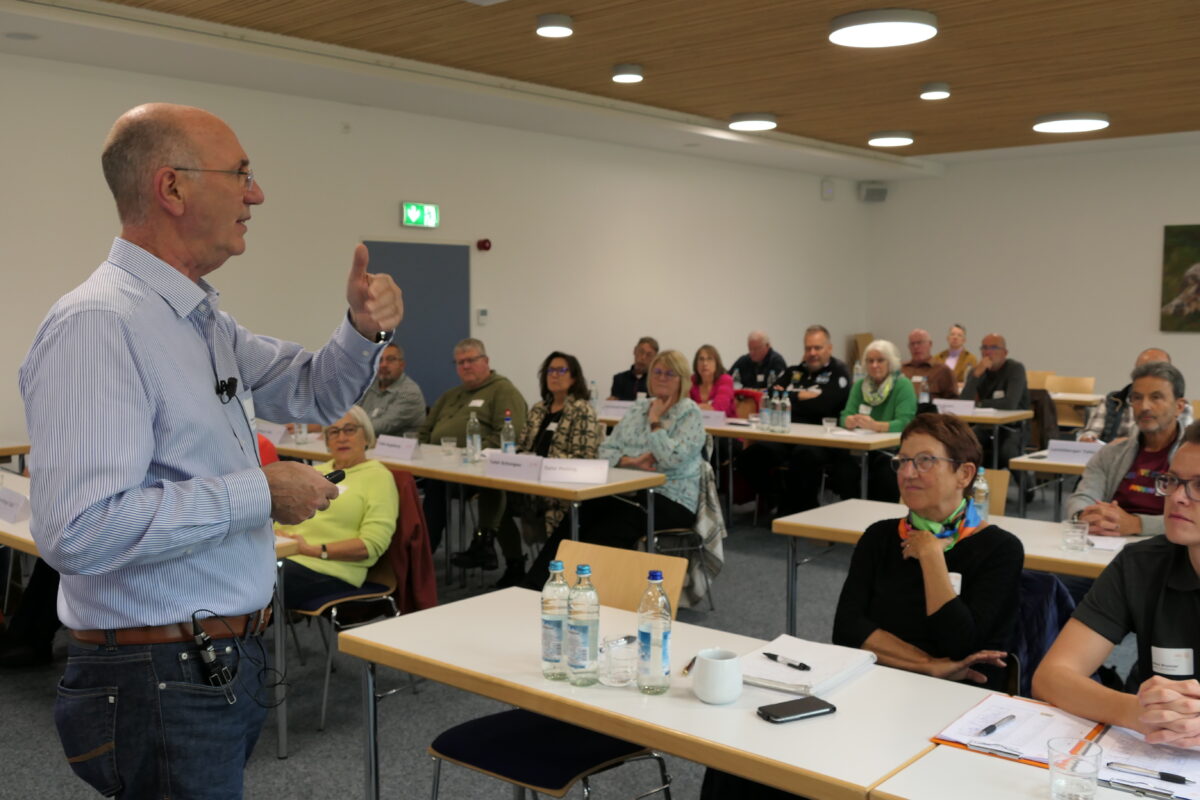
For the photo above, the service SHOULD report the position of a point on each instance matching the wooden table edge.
(692, 748)
(810, 531)
(27, 546)
(874, 793)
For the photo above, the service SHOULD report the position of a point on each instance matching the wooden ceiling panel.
(1007, 61)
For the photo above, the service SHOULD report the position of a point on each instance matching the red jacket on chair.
(412, 561)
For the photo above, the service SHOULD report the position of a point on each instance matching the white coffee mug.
(717, 676)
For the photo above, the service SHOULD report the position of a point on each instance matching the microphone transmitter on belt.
(218, 674)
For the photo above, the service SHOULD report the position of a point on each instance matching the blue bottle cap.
(583, 569)
(655, 575)
(556, 566)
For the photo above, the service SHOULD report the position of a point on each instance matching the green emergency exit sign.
(420, 215)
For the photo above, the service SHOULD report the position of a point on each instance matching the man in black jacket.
(817, 387)
(755, 368)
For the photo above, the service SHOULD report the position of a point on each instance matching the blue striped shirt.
(146, 489)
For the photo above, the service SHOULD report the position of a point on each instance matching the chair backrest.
(1069, 416)
(1036, 378)
(746, 402)
(997, 490)
(1195, 414)
(620, 575)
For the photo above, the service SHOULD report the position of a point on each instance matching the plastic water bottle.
(776, 413)
(554, 620)
(595, 390)
(785, 413)
(771, 380)
(583, 629)
(858, 371)
(737, 379)
(474, 450)
(980, 495)
(508, 434)
(654, 638)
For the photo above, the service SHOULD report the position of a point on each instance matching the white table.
(433, 463)
(19, 450)
(1041, 462)
(950, 773)
(490, 644)
(1077, 398)
(996, 417)
(17, 536)
(846, 521)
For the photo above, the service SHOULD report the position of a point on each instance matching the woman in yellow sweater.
(339, 544)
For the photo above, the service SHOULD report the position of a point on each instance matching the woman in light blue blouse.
(663, 432)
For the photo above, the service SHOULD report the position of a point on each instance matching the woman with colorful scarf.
(936, 591)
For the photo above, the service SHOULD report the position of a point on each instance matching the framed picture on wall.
(1181, 279)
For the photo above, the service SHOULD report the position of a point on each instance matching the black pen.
(997, 725)
(1169, 777)
(787, 662)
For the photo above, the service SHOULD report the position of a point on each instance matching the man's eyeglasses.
(923, 462)
(349, 430)
(557, 370)
(1165, 484)
(668, 374)
(462, 362)
(248, 174)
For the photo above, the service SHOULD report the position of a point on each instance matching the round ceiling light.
(627, 73)
(890, 139)
(752, 122)
(888, 27)
(554, 26)
(1081, 122)
(935, 91)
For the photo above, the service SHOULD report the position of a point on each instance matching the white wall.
(1062, 254)
(594, 244)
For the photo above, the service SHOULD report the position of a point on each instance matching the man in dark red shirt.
(1116, 496)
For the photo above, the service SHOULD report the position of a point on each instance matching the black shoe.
(514, 573)
(480, 553)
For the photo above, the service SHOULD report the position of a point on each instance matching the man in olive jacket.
(489, 395)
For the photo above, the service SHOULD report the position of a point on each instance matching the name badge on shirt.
(248, 408)
(760, 377)
(998, 394)
(475, 403)
(1172, 661)
(553, 426)
(863, 408)
(956, 583)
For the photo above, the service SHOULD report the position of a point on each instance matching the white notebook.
(829, 665)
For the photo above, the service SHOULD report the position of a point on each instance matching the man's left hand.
(1109, 519)
(376, 303)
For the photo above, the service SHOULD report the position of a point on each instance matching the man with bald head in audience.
(931, 379)
(1113, 419)
(755, 368)
(998, 381)
(157, 512)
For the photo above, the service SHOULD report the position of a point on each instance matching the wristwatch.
(324, 553)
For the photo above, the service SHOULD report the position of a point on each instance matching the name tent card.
(957, 407)
(1072, 451)
(14, 506)
(514, 466)
(615, 408)
(273, 431)
(713, 419)
(395, 447)
(574, 470)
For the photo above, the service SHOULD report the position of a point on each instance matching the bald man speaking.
(148, 494)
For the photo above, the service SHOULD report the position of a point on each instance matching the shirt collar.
(181, 294)
(1182, 575)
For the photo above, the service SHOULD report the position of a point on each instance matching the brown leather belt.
(215, 627)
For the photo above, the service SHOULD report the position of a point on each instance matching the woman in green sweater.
(882, 402)
(339, 544)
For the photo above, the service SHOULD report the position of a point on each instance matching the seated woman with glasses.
(663, 432)
(561, 425)
(934, 592)
(712, 387)
(338, 545)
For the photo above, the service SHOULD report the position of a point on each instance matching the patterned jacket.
(577, 436)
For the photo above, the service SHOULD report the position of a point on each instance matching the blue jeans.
(141, 721)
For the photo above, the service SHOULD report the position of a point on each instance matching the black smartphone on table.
(800, 708)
